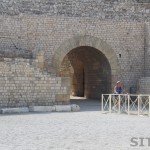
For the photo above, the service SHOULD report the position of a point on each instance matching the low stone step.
(14, 110)
(62, 108)
(41, 108)
(55, 108)
(67, 108)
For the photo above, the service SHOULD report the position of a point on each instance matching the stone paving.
(88, 129)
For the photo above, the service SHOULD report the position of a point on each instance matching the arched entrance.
(89, 71)
(90, 62)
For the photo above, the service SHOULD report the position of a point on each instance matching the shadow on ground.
(86, 104)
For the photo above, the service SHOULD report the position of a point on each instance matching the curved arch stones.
(91, 41)
(97, 43)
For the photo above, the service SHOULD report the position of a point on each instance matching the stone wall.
(10, 49)
(143, 85)
(42, 29)
(43, 35)
(104, 9)
(23, 85)
(144, 82)
(147, 49)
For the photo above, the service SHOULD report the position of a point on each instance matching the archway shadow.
(86, 104)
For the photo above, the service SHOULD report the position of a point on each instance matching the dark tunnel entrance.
(89, 71)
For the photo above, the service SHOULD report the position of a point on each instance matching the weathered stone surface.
(63, 108)
(14, 110)
(41, 108)
(143, 85)
(103, 9)
(63, 98)
(10, 49)
(57, 108)
(75, 107)
(23, 85)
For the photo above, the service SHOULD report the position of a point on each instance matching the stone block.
(63, 108)
(14, 110)
(40, 108)
(75, 107)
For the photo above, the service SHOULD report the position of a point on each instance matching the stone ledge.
(55, 108)
(14, 110)
(63, 108)
(41, 108)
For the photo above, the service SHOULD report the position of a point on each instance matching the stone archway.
(88, 41)
(89, 72)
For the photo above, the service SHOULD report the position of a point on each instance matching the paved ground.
(88, 129)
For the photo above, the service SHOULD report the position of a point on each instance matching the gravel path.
(88, 129)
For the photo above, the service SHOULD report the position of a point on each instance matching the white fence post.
(102, 104)
(138, 105)
(119, 105)
(110, 103)
(128, 104)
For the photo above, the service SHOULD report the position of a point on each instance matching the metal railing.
(126, 103)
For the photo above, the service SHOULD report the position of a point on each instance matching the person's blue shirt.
(118, 90)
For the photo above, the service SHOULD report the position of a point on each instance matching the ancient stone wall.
(42, 29)
(147, 49)
(144, 82)
(23, 85)
(44, 35)
(104, 9)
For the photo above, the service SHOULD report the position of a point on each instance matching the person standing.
(118, 88)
